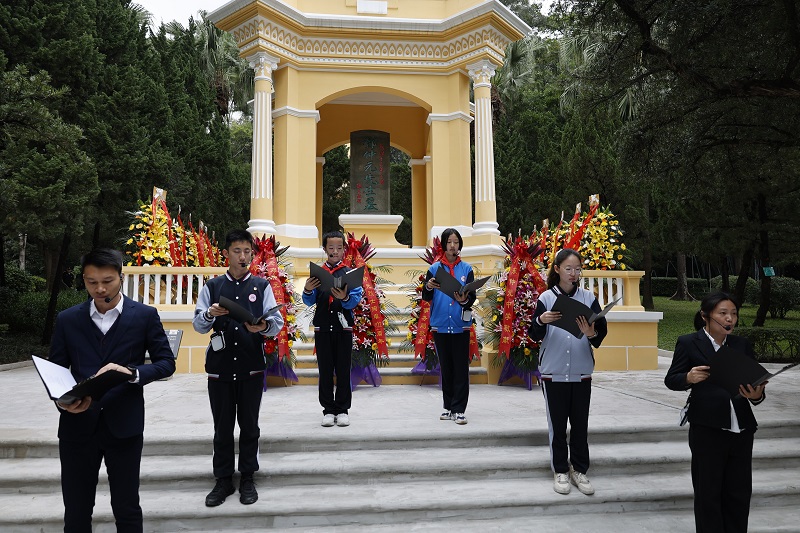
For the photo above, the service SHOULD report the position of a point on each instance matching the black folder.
(449, 285)
(61, 385)
(731, 368)
(352, 278)
(571, 309)
(242, 315)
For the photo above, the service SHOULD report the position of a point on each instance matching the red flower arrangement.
(278, 349)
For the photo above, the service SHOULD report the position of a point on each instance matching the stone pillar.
(450, 159)
(296, 176)
(319, 199)
(419, 214)
(261, 184)
(485, 203)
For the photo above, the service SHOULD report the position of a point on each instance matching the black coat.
(710, 403)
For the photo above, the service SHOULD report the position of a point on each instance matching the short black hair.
(709, 303)
(446, 235)
(103, 257)
(239, 235)
(332, 235)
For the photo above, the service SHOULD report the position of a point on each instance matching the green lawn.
(679, 319)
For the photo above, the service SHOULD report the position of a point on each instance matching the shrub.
(773, 345)
(784, 296)
(20, 282)
(698, 287)
(751, 289)
(27, 313)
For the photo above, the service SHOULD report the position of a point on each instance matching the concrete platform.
(398, 468)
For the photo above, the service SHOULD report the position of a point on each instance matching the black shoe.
(247, 490)
(222, 490)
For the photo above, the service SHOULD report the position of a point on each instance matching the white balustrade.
(167, 286)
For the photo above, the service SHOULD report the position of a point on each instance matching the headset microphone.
(726, 327)
(108, 299)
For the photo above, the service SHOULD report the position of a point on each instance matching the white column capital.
(263, 64)
(481, 72)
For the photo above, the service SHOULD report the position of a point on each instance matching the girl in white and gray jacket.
(566, 364)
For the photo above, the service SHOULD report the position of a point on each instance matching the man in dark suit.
(107, 332)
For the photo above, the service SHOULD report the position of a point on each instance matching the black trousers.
(722, 477)
(568, 402)
(453, 352)
(334, 354)
(80, 467)
(233, 401)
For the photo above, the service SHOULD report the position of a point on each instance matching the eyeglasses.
(570, 270)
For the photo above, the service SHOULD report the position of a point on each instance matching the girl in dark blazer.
(721, 428)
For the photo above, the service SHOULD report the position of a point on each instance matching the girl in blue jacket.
(451, 319)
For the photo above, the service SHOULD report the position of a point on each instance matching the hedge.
(773, 345)
(698, 287)
(784, 294)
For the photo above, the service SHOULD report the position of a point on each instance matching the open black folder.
(353, 278)
(242, 315)
(449, 285)
(571, 309)
(731, 368)
(62, 387)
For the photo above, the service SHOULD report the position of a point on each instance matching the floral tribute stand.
(515, 297)
(278, 350)
(370, 346)
(420, 336)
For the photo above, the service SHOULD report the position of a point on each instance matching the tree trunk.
(763, 255)
(2, 260)
(96, 235)
(55, 287)
(682, 291)
(726, 275)
(23, 243)
(744, 272)
(647, 263)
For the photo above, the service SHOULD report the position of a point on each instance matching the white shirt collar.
(94, 312)
(713, 342)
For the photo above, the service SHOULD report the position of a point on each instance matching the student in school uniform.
(333, 333)
(566, 364)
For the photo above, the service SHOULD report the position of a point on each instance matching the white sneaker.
(342, 420)
(447, 415)
(328, 420)
(561, 483)
(460, 418)
(581, 481)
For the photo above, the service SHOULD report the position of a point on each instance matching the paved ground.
(179, 406)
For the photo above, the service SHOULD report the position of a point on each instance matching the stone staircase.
(398, 370)
(429, 476)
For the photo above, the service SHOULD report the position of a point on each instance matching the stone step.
(31, 476)
(308, 436)
(398, 504)
(395, 375)
(762, 520)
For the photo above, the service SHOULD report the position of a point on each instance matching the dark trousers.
(80, 467)
(722, 477)
(568, 402)
(232, 401)
(453, 352)
(334, 354)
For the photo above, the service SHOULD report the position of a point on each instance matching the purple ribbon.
(368, 374)
(280, 370)
(510, 370)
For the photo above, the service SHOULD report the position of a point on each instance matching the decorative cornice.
(458, 115)
(507, 18)
(263, 34)
(301, 113)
